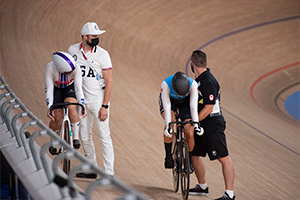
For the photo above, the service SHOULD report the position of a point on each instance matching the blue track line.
(235, 32)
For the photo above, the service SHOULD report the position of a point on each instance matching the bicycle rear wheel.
(67, 162)
(185, 170)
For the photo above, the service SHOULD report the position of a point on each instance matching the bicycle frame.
(180, 154)
(65, 130)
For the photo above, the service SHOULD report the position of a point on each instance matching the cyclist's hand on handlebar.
(198, 130)
(83, 114)
(168, 132)
(50, 114)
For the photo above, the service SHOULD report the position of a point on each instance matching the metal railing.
(42, 175)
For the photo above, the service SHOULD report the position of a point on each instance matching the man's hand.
(103, 114)
(168, 132)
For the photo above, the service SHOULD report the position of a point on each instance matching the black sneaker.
(226, 196)
(169, 163)
(197, 190)
(86, 175)
(53, 150)
(76, 144)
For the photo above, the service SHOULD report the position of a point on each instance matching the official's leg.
(199, 168)
(86, 136)
(199, 151)
(106, 142)
(228, 172)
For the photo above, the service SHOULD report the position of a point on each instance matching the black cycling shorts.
(212, 142)
(60, 94)
(183, 105)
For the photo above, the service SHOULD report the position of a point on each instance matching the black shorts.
(60, 94)
(212, 142)
(183, 105)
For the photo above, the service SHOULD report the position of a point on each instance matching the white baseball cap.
(91, 28)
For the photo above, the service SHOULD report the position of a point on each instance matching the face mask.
(94, 42)
(192, 68)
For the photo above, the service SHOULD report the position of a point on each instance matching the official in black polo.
(213, 141)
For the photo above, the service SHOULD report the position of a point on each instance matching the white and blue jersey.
(172, 92)
(168, 95)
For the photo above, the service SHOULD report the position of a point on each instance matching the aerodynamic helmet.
(181, 83)
(63, 61)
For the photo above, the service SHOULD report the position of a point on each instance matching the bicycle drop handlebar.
(65, 104)
(184, 123)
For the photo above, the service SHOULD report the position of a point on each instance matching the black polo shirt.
(209, 93)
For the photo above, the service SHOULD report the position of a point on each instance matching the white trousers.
(103, 130)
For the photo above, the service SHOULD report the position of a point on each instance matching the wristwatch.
(105, 106)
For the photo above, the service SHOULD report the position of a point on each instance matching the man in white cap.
(96, 69)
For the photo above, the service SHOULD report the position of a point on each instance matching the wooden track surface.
(150, 40)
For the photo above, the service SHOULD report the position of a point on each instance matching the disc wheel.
(185, 170)
(67, 162)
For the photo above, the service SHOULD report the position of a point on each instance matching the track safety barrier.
(40, 175)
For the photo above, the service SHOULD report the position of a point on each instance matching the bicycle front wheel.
(185, 170)
(177, 165)
(67, 162)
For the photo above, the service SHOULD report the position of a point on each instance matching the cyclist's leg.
(185, 114)
(189, 136)
(168, 142)
(58, 115)
(55, 126)
(73, 116)
(169, 162)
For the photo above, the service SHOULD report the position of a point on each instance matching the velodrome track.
(253, 50)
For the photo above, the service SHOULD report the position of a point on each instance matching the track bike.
(180, 155)
(65, 130)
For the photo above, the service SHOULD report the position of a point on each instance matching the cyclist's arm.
(78, 85)
(165, 97)
(194, 101)
(49, 84)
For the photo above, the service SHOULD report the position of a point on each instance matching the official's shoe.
(226, 196)
(169, 163)
(197, 190)
(53, 150)
(101, 178)
(86, 175)
(76, 144)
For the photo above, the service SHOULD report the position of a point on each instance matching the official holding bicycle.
(178, 91)
(213, 141)
(63, 83)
